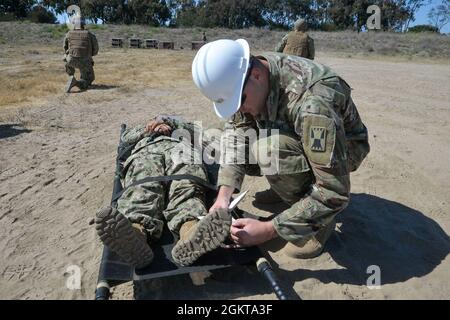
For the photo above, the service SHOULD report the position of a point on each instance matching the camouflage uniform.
(80, 46)
(297, 42)
(321, 140)
(150, 203)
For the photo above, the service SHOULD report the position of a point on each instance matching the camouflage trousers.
(86, 67)
(281, 160)
(292, 181)
(150, 204)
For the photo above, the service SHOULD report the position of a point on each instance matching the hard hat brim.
(229, 107)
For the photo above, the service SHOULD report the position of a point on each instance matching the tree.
(19, 8)
(341, 13)
(233, 14)
(439, 16)
(319, 14)
(394, 15)
(59, 6)
(283, 14)
(104, 10)
(412, 6)
(153, 12)
(39, 14)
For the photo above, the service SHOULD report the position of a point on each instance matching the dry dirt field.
(57, 155)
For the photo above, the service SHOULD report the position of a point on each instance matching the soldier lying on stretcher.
(142, 208)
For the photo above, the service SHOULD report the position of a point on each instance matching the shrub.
(328, 27)
(55, 31)
(423, 28)
(7, 17)
(41, 15)
(59, 31)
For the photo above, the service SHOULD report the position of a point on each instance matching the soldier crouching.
(80, 46)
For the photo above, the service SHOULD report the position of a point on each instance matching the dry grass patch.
(25, 80)
(32, 70)
(29, 77)
(135, 69)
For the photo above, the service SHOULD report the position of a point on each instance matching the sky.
(421, 16)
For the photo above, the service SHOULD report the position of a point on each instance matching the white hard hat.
(219, 70)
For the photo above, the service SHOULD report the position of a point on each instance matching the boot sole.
(117, 233)
(209, 234)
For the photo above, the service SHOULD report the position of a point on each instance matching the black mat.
(113, 268)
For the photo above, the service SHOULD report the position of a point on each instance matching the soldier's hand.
(220, 203)
(165, 129)
(158, 125)
(223, 198)
(251, 232)
(153, 123)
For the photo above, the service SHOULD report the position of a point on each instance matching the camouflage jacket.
(93, 44)
(294, 109)
(302, 45)
(202, 142)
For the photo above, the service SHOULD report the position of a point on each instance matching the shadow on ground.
(102, 87)
(11, 130)
(76, 90)
(402, 241)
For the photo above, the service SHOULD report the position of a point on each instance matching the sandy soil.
(57, 163)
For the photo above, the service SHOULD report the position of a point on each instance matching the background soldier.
(320, 139)
(298, 42)
(80, 46)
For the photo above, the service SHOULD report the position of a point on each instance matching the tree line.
(329, 15)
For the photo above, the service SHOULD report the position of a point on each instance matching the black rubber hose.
(265, 269)
(102, 292)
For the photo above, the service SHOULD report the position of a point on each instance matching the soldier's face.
(254, 96)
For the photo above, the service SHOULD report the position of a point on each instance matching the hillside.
(422, 45)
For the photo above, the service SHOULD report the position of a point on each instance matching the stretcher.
(113, 271)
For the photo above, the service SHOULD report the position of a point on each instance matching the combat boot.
(200, 237)
(310, 248)
(267, 197)
(72, 82)
(127, 240)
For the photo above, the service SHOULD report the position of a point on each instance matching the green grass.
(54, 31)
(95, 27)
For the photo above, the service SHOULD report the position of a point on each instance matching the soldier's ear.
(256, 74)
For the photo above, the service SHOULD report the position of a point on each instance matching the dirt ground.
(57, 155)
